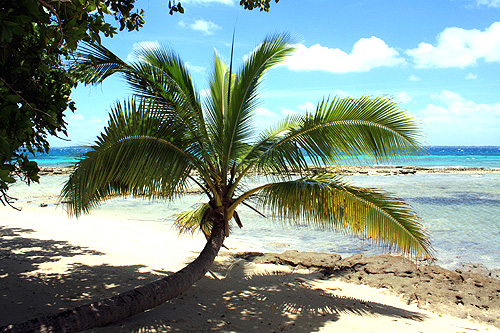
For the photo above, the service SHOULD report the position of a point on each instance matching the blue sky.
(440, 59)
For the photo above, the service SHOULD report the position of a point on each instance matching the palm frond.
(192, 220)
(231, 123)
(137, 155)
(96, 63)
(217, 105)
(344, 130)
(244, 94)
(161, 74)
(326, 201)
(158, 76)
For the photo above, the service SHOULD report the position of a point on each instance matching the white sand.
(64, 263)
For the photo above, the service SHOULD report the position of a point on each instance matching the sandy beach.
(49, 262)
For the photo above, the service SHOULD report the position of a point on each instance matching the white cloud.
(341, 93)
(307, 107)
(471, 76)
(81, 129)
(456, 105)
(265, 118)
(457, 47)
(403, 97)
(414, 78)
(289, 112)
(454, 120)
(195, 69)
(263, 112)
(148, 45)
(205, 93)
(205, 27)
(74, 117)
(489, 3)
(366, 54)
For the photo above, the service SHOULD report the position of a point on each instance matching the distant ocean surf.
(474, 157)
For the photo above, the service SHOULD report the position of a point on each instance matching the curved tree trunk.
(131, 302)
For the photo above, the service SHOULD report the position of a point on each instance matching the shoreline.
(49, 262)
(346, 170)
(45, 196)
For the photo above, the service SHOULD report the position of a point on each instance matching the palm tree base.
(129, 303)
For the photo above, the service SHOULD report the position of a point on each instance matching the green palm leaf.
(138, 154)
(326, 201)
(230, 117)
(96, 63)
(192, 220)
(342, 130)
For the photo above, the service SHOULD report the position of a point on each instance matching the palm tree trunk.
(131, 302)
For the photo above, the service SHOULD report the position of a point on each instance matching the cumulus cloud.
(456, 105)
(457, 47)
(205, 93)
(81, 129)
(195, 69)
(263, 112)
(489, 3)
(366, 54)
(307, 107)
(341, 93)
(471, 76)
(414, 78)
(148, 45)
(203, 26)
(289, 112)
(454, 120)
(265, 118)
(403, 97)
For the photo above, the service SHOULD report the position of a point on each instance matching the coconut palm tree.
(168, 138)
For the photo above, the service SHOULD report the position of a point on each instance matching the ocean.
(436, 156)
(461, 211)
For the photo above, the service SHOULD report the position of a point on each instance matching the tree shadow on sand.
(270, 302)
(26, 292)
(267, 302)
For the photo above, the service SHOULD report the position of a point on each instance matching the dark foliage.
(37, 40)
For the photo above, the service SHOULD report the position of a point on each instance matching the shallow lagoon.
(462, 212)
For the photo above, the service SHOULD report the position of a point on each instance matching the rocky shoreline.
(470, 293)
(345, 170)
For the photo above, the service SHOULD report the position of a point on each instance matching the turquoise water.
(486, 157)
(462, 212)
(59, 156)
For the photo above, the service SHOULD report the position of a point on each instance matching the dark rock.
(466, 293)
(293, 258)
(495, 274)
(475, 268)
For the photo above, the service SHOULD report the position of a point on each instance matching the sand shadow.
(274, 301)
(27, 293)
